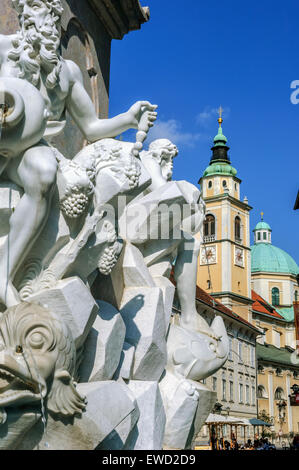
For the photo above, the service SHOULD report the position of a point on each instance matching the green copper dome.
(220, 162)
(262, 225)
(220, 139)
(220, 168)
(270, 259)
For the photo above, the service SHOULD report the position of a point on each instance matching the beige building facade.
(259, 283)
(236, 382)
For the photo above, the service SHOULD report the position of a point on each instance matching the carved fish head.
(37, 359)
(195, 355)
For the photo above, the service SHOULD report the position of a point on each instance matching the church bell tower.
(224, 268)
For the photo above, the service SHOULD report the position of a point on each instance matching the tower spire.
(220, 120)
(220, 148)
(220, 162)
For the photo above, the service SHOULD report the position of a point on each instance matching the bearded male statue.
(32, 55)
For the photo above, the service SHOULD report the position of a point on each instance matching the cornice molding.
(241, 298)
(233, 200)
(119, 17)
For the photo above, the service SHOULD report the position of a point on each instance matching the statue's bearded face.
(34, 14)
(167, 164)
(36, 46)
(164, 151)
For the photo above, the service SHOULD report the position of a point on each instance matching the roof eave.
(234, 316)
(119, 18)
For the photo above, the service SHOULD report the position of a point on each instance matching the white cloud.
(208, 114)
(172, 130)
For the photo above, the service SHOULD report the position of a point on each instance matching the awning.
(219, 419)
(255, 422)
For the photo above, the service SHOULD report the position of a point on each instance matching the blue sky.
(195, 55)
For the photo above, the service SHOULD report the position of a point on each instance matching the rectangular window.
(230, 354)
(223, 389)
(231, 391)
(253, 395)
(214, 384)
(240, 393)
(276, 338)
(252, 356)
(265, 235)
(247, 394)
(245, 353)
(240, 350)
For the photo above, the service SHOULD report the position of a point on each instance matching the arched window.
(209, 228)
(275, 296)
(261, 392)
(237, 228)
(296, 296)
(279, 394)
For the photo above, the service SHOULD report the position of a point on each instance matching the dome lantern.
(262, 232)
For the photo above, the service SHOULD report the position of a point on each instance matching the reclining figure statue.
(37, 87)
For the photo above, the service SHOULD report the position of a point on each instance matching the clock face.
(239, 257)
(208, 255)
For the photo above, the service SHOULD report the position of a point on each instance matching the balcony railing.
(209, 238)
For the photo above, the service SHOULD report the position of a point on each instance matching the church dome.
(220, 168)
(266, 257)
(262, 226)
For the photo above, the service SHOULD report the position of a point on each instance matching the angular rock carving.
(143, 313)
(149, 430)
(103, 346)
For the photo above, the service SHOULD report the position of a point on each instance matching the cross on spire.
(262, 215)
(220, 120)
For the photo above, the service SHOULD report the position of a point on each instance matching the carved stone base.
(187, 404)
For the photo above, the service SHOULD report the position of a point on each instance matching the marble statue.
(49, 357)
(91, 248)
(32, 56)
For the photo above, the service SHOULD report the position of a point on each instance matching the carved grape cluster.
(110, 255)
(108, 260)
(132, 171)
(74, 204)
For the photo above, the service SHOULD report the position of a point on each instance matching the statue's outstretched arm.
(83, 112)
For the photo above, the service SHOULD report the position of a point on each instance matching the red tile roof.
(203, 296)
(260, 305)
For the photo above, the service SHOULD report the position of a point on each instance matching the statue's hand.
(143, 114)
